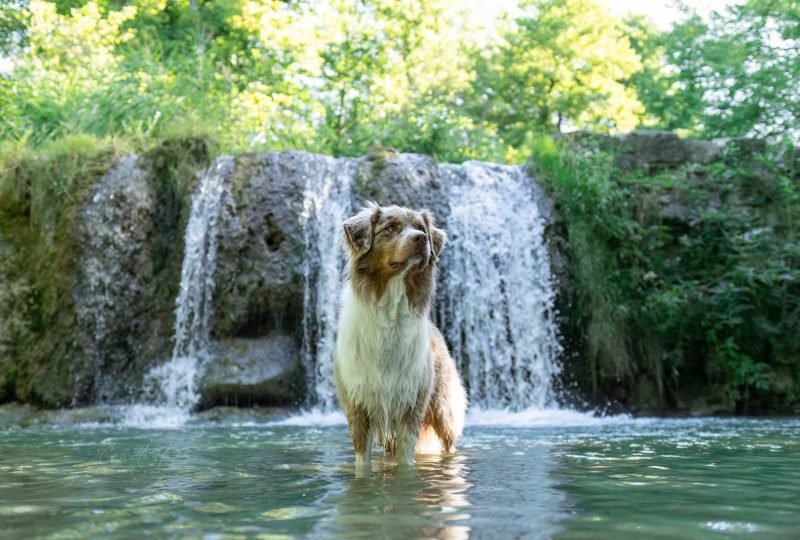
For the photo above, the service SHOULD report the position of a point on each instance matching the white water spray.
(174, 383)
(497, 296)
(326, 204)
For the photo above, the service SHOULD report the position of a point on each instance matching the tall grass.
(596, 213)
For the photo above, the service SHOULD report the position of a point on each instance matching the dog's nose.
(420, 237)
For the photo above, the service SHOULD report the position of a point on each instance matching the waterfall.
(326, 204)
(495, 298)
(497, 293)
(174, 383)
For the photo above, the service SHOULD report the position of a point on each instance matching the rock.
(651, 150)
(13, 320)
(409, 180)
(259, 271)
(246, 372)
(703, 152)
(126, 272)
(114, 273)
(128, 269)
(742, 149)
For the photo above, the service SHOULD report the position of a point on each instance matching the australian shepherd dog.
(395, 378)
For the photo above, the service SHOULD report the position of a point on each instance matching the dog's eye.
(391, 228)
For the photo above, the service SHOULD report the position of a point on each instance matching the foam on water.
(526, 418)
(548, 417)
(498, 291)
(143, 416)
(315, 417)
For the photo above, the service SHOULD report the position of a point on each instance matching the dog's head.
(387, 241)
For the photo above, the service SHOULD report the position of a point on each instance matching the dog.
(395, 378)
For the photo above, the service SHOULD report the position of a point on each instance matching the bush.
(685, 277)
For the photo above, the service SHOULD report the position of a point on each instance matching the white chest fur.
(382, 353)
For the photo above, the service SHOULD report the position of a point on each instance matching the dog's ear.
(358, 229)
(438, 240)
(437, 236)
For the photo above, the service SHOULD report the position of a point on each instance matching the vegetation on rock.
(686, 280)
(42, 195)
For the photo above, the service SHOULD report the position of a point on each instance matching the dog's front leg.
(406, 442)
(360, 433)
(408, 432)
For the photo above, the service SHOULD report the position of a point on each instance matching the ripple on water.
(619, 477)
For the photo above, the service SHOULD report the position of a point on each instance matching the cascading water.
(496, 298)
(495, 301)
(174, 383)
(326, 204)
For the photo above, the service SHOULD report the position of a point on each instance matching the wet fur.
(395, 378)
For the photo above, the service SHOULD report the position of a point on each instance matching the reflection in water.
(653, 479)
(393, 499)
(515, 495)
(494, 487)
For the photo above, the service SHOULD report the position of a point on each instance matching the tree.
(667, 107)
(563, 63)
(65, 58)
(391, 70)
(733, 75)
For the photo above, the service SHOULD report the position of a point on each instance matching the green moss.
(42, 193)
(175, 165)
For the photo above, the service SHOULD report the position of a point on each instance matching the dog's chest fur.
(383, 354)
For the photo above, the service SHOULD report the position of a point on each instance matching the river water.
(155, 469)
(550, 474)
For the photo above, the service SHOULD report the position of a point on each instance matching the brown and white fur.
(395, 378)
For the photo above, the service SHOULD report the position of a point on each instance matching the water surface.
(545, 476)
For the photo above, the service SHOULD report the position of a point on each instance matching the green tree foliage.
(331, 76)
(336, 75)
(735, 74)
(562, 64)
